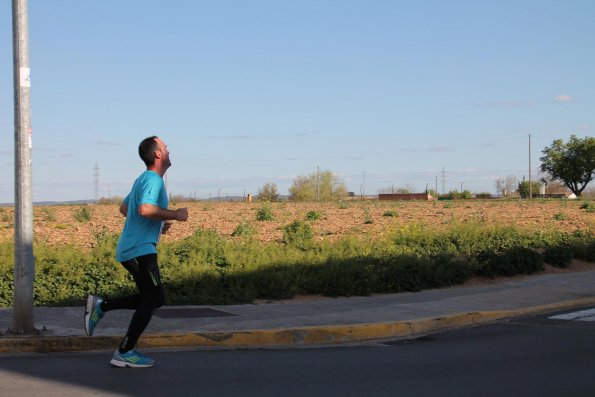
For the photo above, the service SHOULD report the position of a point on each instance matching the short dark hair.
(147, 149)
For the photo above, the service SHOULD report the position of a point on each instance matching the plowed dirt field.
(58, 226)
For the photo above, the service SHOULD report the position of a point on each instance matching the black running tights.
(145, 271)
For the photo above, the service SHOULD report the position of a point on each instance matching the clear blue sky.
(249, 92)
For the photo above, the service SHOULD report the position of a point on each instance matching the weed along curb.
(283, 337)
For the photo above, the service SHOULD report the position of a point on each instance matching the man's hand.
(181, 214)
(166, 226)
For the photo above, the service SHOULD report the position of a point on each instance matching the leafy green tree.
(524, 186)
(324, 186)
(268, 192)
(572, 163)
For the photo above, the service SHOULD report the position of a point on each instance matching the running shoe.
(93, 313)
(132, 359)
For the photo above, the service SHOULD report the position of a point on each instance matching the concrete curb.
(286, 337)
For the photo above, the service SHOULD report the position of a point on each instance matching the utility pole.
(24, 261)
(530, 184)
(317, 183)
(96, 177)
(443, 179)
(364, 186)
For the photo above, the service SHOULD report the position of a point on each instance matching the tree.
(555, 187)
(456, 195)
(506, 185)
(405, 189)
(523, 188)
(572, 163)
(268, 192)
(324, 186)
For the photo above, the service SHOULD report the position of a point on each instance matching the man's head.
(153, 151)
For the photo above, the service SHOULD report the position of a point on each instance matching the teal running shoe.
(93, 313)
(132, 359)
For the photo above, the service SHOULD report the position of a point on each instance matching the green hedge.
(206, 268)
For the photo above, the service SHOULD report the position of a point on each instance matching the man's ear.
(157, 154)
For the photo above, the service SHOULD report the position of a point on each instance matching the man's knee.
(153, 301)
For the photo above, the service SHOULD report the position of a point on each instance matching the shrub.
(243, 230)
(560, 216)
(588, 206)
(265, 214)
(83, 214)
(367, 217)
(584, 251)
(298, 233)
(456, 195)
(449, 270)
(406, 273)
(313, 215)
(356, 276)
(559, 256)
(207, 268)
(517, 260)
(391, 214)
(484, 195)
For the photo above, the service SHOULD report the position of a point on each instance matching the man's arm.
(124, 206)
(161, 214)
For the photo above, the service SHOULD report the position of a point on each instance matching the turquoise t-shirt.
(140, 234)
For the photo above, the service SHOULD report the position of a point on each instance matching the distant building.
(406, 196)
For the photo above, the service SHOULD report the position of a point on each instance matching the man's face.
(164, 153)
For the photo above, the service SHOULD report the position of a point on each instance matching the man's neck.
(158, 170)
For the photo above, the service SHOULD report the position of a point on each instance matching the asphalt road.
(536, 356)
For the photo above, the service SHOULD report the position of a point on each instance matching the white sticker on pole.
(25, 74)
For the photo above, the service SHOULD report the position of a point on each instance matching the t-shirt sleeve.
(151, 191)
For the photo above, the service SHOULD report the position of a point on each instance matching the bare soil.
(57, 225)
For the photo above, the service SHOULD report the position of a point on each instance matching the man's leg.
(145, 271)
(97, 306)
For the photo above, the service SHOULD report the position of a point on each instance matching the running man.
(147, 216)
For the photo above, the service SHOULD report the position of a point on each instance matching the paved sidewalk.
(298, 323)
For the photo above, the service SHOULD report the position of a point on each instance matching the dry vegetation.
(57, 225)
